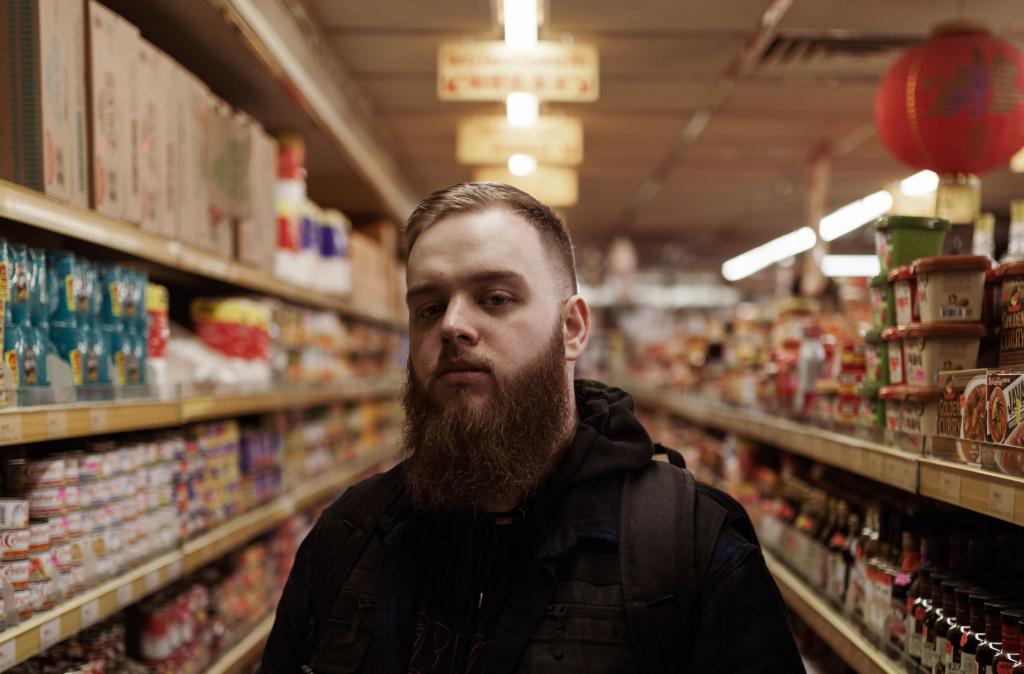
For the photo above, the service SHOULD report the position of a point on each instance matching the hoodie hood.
(609, 440)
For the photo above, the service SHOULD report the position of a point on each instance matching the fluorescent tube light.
(523, 109)
(778, 249)
(919, 184)
(522, 164)
(850, 265)
(521, 23)
(852, 216)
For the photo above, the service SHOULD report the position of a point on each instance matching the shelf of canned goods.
(45, 629)
(871, 460)
(51, 422)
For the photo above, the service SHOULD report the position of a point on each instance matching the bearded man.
(528, 529)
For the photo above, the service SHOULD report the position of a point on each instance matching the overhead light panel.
(521, 23)
(852, 216)
(523, 109)
(850, 265)
(919, 184)
(522, 164)
(774, 251)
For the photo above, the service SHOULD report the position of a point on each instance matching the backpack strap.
(667, 536)
(345, 530)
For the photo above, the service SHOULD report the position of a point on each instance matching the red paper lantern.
(954, 104)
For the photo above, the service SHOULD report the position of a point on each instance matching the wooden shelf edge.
(246, 651)
(32, 208)
(104, 600)
(832, 627)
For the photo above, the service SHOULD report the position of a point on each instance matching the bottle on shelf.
(1009, 653)
(916, 613)
(975, 635)
(944, 624)
(928, 622)
(899, 613)
(839, 551)
(959, 632)
(822, 547)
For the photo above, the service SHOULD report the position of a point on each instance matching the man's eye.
(430, 311)
(496, 300)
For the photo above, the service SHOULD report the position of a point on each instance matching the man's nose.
(457, 326)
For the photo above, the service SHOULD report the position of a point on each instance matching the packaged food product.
(872, 413)
(962, 417)
(876, 357)
(23, 602)
(889, 395)
(39, 566)
(950, 288)
(901, 239)
(1011, 339)
(24, 474)
(14, 544)
(990, 308)
(46, 502)
(904, 289)
(13, 513)
(929, 348)
(41, 595)
(919, 411)
(894, 352)
(16, 573)
(38, 537)
(883, 303)
(847, 409)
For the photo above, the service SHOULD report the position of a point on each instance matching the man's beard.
(463, 455)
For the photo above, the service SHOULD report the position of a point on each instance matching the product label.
(115, 299)
(12, 362)
(904, 302)
(967, 663)
(928, 654)
(914, 643)
(1004, 393)
(4, 289)
(76, 367)
(947, 295)
(69, 292)
(896, 362)
(1004, 667)
(1011, 339)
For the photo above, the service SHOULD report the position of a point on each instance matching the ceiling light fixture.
(522, 109)
(521, 23)
(919, 184)
(850, 265)
(522, 164)
(778, 249)
(852, 216)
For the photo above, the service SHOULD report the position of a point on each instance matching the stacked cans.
(14, 544)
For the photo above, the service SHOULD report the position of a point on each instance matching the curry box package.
(961, 427)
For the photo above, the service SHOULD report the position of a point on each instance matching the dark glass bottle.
(899, 614)
(988, 649)
(944, 624)
(838, 545)
(1009, 654)
(931, 617)
(980, 626)
(959, 633)
(917, 611)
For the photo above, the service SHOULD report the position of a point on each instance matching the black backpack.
(661, 587)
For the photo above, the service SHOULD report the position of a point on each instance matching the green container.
(901, 239)
(883, 302)
(877, 357)
(871, 417)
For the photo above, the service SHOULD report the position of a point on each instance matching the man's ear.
(576, 319)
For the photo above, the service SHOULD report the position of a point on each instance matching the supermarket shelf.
(42, 631)
(246, 652)
(869, 459)
(51, 422)
(32, 208)
(832, 627)
(982, 491)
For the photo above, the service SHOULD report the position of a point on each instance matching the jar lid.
(890, 334)
(911, 222)
(1015, 268)
(943, 330)
(941, 263)
(879, 280)
(900, 273)
(918, 394)
(873, 335)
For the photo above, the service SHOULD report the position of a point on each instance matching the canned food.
(24, 474)
(72, 495)
(97, 542)
(41, 595)
(93, 494)
(58, 530)
(62, 557)
(113, 489)
(14, 544)
(115, 543)
(90, 466)
(38, 537)
(113, 511)
(23, 602)
(78, 576)
(76, 551)
(141, 503)
(13, 513)
(3, 614)
(125, 461)
(74, 524)
(67, 585)
(71, 461)
(129, 532)
(110, 464)
(39, 567)
(46, 502)
(16, 573)
(95, 520)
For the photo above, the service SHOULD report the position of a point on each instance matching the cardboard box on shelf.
(192, 165)
(215, 236)
(172, 105)
(151, 137)
(36, 121)
(107, 110)
(128, 47)
(255, 236)
(78, 160)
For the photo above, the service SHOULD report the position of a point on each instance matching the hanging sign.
(490, 139)
(552, 185)
(490, 71)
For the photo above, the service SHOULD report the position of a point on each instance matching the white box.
(108, 107)
(152, 103)
(128, 47)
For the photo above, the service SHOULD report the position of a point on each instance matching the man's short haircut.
(480, 197)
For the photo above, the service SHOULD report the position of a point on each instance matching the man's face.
(483, 299)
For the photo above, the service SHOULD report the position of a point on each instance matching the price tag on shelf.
(124, 595)
(56, 424)
(49, 633)
(7, 655)
(1001, 501)
(98, 419)
(152, 581)
(949, 487)
(876, 465)
(851, 459)
(174, 569)
(90, 612)
(10, 428)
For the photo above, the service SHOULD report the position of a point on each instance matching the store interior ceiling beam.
(321, 87)
(759, 42)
